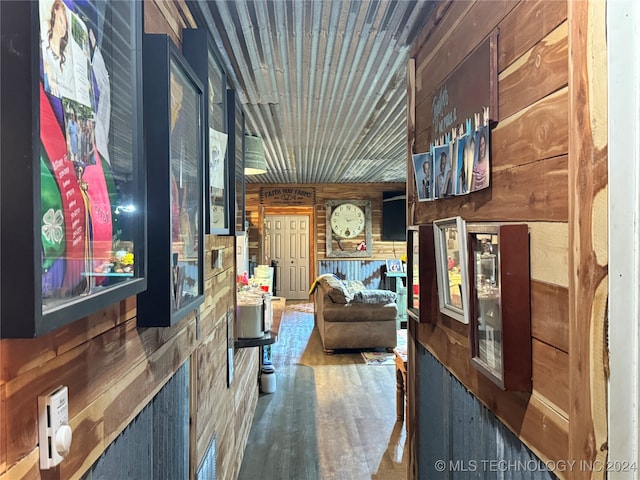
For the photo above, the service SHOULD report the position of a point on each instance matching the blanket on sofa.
(351, 291)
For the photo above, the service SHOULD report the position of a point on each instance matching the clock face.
(347, 220)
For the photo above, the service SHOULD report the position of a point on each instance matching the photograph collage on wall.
(457, 167)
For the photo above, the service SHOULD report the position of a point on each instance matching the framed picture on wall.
(394, 265)
(198, 50)
(423, 175)
(175, 148)
(235, 152)
(451, 264)
(74, 203)
(481, 170)
(500, 303)
(422, 303)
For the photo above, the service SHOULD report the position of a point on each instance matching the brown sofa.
(350, 316)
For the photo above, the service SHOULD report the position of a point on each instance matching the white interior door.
(289, 246)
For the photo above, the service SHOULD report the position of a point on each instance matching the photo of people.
(442, 164)
(64, 40)
(469, 159)
(461, 186)
(480, 173)
(423, 172)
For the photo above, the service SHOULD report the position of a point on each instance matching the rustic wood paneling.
(551, 375)
(538, 132)
(525, 25)
(588, 272)
(536, 74)
(529, 183)
(3, 426)
(550, 314)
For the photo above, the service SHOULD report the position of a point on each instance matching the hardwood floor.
(331, 417)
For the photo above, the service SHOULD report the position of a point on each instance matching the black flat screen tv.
(394, 223)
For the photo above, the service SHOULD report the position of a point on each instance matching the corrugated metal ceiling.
(323, 82)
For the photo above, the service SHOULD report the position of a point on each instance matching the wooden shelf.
(267, 339)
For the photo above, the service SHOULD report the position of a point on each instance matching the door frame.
(624, 233)
(290, 211)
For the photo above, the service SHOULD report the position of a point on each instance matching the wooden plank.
(537, 132)
(537, 73)
(549, 246)
(550, 314)
(551, 375)
(27, 468)
(588, 283)
(525, 25)
(18, 356)
(3, 428)
(164, 18)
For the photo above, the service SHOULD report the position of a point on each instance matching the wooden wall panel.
(588, 268)
(529, 148)
(550, 314)
(551, 375)
(3, 426)
(536, 74)
(549, 244)
(538, 132)
(525, 24)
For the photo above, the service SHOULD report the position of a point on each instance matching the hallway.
(331, 417)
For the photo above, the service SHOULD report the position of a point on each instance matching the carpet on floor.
(386, 358)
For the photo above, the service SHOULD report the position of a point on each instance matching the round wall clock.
(348, 228)
(347, 220)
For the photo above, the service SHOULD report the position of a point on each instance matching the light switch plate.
(53, 427)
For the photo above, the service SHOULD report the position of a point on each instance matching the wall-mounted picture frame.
(394, 265)
(422, 302)
(423, 176)
(443, 171)
(500, 309)
(174, 112)
(198, 49)
(72, 181)
(452, 272)
(235, 152)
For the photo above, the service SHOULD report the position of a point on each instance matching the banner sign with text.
(288, 196)
(470, 87)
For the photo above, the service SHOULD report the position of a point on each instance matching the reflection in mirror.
(415, 261)
(454, 293)
(488, 298)
(451, 264)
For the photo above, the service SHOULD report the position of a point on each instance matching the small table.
(401, 385)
